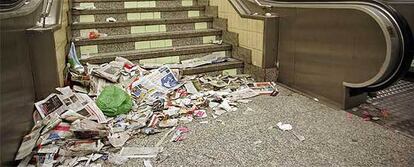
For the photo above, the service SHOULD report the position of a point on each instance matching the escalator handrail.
(4, 7)
(405, 47)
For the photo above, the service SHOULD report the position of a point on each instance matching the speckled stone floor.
(244, 138)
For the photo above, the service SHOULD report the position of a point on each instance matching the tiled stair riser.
(116, 47)
(143, 29)
(136, 4)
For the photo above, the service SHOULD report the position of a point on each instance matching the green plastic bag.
(114, 101)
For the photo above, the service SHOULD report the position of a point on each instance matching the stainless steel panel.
(17, 89)
(321, 48)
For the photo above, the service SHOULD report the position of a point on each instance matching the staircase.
(148, 31)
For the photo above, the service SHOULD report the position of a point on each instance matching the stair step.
(92, 25)
(146, 37)
(155, 53)
(135, 4)
(231, 64)
(137, 10)
(96, 1)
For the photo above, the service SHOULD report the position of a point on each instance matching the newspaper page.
(28, 143)
(263, 88)
(140, 152)
(243, 94)
(155, 85)
(215, 57)
(52, 104)
(111, 72)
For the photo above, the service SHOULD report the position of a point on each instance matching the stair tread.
(155, 52)
(230, 64)
(136, 10)
(79, 41)
(82, 1)
(87, 25)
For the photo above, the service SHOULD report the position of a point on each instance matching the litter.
(109, 104)
(118, 139)
(180, 134)
(257, 142)
(110, 19)
(147, 163)
(284, 127)
(114, 101)
(140, 152)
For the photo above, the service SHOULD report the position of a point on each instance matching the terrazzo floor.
(246, 138)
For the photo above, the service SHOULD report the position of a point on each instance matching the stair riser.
(126, 46)
(158, 53)
(137, 4)
(136, 16)
(144, 29)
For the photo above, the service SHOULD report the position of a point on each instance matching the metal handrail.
(46, 12)
(261, 5)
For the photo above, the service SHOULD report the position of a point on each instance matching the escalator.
(27, 28)
(315, 61)
(324, 46)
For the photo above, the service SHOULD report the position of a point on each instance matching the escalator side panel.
(321, 48)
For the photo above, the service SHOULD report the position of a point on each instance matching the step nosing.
(146, 37)
(87, 25)
(136, 10)
(157, 53)
(106, 1)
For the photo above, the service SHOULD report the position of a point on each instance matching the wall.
(250, 30)
(61, 41)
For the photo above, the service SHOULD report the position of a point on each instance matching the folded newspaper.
(68, 100)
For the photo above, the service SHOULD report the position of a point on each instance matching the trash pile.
(90, 122)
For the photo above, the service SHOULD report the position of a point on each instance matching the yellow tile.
(133, 16)
(162, 60)
(145, 16)
(87, 5)
(157, 44)
(130, 4)
(142, 45)
(89, 49)
(168, 43)
(199, 26)
(86, 18)
(230, 72)
(157, 15)
(187, 3)
(257, 57)
(137, 29)
(163, 28)
(143, 4)
(193, 13)
(152, 4)
(152, 28)
(84, 33)
(208, 39)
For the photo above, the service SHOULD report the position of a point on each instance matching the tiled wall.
(250, 30)
(61, 41)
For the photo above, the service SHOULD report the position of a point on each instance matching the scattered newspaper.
(190, 87)
(28, 143)
(216, 57)
(154, 85)
(68, 100)
(140, 152)
(263, 88)
(213, 58)
(111, 71)
(243, 94)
